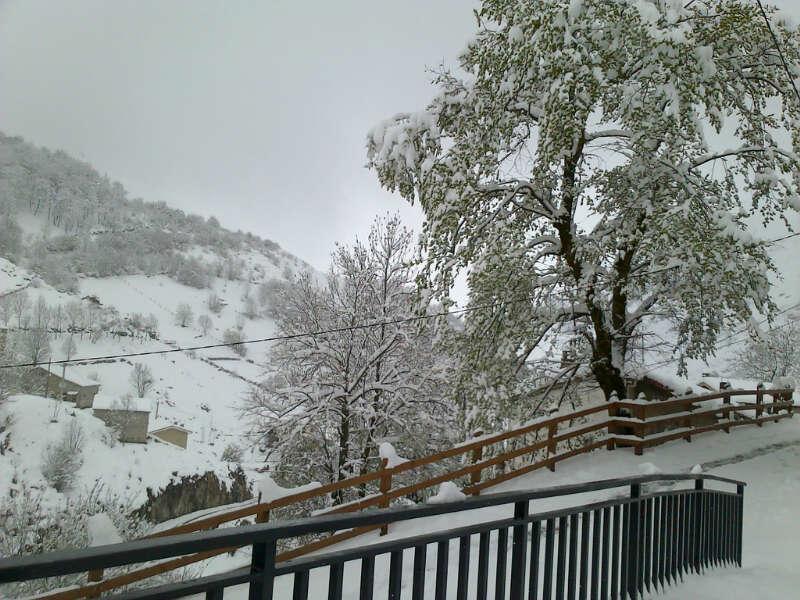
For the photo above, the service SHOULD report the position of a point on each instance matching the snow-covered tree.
(20, 303)
(32, 345)
(234, 336)
(205, 323)
(329, 400)
(770, 355)
(214, 303)
(592, 167)
(184, 315)
(142, 379)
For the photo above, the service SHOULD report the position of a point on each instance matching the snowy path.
(768, 459)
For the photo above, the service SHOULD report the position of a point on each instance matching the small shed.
(68, 386)
(173, 434)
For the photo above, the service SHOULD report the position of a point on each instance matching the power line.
(317, 333)
(778, 48)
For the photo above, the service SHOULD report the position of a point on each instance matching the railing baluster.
(463, 567)
(442, 562)
(707, 521)
(533, 569)
(664, 550)
(418, 580)
(634, 542)
(625, 558)
(300, 588)
(483, 566)
(335, 580)
(215, 593)
(681, 534)
(563, 540)
(583, 590)
(395, 574)
(502, 559)
(597, 532)
(615, 552)
(262, 570)
(647, 514)
(716, 529)
(519, 547)
(572, 557)
(549, 543)
(657, 542)
(367, 580)
(669, 538)
(697, 524)
(728, 529)
(607, 552)
(739, 522)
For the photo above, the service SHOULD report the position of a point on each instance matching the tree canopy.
(593, 166)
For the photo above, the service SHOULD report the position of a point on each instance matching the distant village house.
(173, 434)
(71, 386)
(130, 424)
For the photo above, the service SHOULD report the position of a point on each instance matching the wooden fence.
(491, 460)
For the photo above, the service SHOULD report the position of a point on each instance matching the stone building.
(70, 386)
(130, 424)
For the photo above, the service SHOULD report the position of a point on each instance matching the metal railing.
(482, 463)
(646, 538)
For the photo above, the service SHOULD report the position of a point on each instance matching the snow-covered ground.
(128, 469)
(201, 391)
(766, 458)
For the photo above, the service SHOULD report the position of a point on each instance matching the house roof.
(71, 375)
(176, 427)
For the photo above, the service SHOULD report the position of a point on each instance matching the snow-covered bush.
(184, 315)
(214, 303)
(233, 337)
(29, 525)
(205, 324)
(233, 454)
(62, 459)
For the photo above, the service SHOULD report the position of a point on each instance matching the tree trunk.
(344, 451)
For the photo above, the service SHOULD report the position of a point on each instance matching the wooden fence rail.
(638, 424)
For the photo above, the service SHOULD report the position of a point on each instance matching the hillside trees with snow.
(591, 168)
(328, 401)
(771, 355)
(91, 227)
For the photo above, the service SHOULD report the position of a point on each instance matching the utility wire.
(322, 332)
(778, 48)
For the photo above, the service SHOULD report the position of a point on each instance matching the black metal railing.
(621, 547)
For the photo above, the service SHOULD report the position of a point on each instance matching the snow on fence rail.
(638, 424)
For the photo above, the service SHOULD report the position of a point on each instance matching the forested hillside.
(81, 222)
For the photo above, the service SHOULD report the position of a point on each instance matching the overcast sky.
(255, 112)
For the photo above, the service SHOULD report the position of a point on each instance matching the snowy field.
(766, 458)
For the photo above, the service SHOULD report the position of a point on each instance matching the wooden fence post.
(726, 400)
(476, 457)
(552, 430)
(386, 485)
(759, 403)
(94, 576)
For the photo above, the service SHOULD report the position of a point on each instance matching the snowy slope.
(200, 391)
(125, 468)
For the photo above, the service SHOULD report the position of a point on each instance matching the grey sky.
(255, 112)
